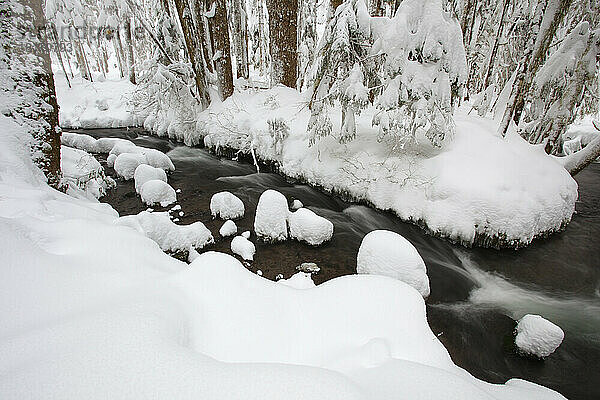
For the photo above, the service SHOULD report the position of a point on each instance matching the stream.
(476, 294)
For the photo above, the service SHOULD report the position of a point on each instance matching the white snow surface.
(226, 205)
(229, 228)
(538, 336)
(387, 253)
(270, 222)
(243, 248)
(300, 280)
(168, 235)
(93, 309)
(144, 173)
(83, 174)
(296, 204)
(126, 164)
(156, 191)
(306, 226)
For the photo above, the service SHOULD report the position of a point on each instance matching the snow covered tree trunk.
(81, 61)
(52, 29)
(490, 66)
(240, 37)
(222, 57)
(283, 15)
(129, 45)
(118, 45)
(576, 162)
(27, 91)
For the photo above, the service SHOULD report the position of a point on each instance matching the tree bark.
(283, 17)
(28, 81)
(219, 30)
(240, 37)
(129, 45)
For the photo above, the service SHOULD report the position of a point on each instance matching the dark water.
(475, 293)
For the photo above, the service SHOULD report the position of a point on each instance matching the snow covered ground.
(94, 309)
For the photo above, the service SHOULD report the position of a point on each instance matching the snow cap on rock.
(243, 248)
(270, 223)
(306, 226)
(157, 191)
(226, 205)
(144, 173)
(538, 336)
(229, 228)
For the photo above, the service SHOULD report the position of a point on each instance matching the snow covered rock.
(79, 141)
(168, 235)
(229, 228)
(110, 160)
(246, 234)
(306, 226)
(226, 205)
(308, 267)
(123, 147)
(158, 159)
(538, 336)
(270, 222)
(296, 204)
(300, 280)
(126, 163)
(388, 253)
(243, 248)
(144, 173)
(157, 192)
(105, 145)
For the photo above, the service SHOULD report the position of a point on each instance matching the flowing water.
(476, 294)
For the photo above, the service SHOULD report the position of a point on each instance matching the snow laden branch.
(407, 70)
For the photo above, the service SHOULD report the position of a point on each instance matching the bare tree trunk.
(203, 33)
(240, 37)
(219, 30)
(81, 61)
(26, 69)
(283, 15)
(376, 8)
(52, 28)
(129, 44)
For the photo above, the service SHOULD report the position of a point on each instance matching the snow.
(306, 226)
(157, 191)
(168, 235)
(83, 174)
(243, 248)
(246, 234)
(226, 205)
(144, 173)
(387, 253)
(538, 336)
(300, 280)
(126, 164)
(229, 228)
(79, 141)
(296, 204)
(270, 222)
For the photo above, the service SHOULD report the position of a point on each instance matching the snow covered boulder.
(144, 173)
(296, 205)
(79, 141)
(270, 222)
(229, 228)
(243, 248)
(157, 192)
(110, 160)
(388, 253)
(306, 226)
(123, 147)
(105, 145)
(537, 336)
(300, 280)
(126, 163)
(158, 159)
(226, 205)
(83, 173)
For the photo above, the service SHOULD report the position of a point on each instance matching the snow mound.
(246, 234)
(229, 228)
(243, 248)
(110, 160)
(300, 280)
(144, 173)
(83, 174)
(388, 253)
(79, 141)
(270, 222)
(226, 205)
(306, 226)
(157, 159)
(296, 204)
(157, 192)
(105, 145)
(168, 235)
(126, 163)
(538, 336)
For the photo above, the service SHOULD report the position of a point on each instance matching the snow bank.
(226, 205)
(388, 253)
(306, 226)
(144, 173)
(83, 174)
(243, 248)
(538, 336)
(157, 192)
(229, 228)
(168, 235)
(270, 222)
(300, 280)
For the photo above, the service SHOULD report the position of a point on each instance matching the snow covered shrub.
(278, 130)
(410, 67)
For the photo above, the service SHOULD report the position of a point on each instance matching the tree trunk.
(59, 52)
(334, 4)
(283, 16)
(219, 30)
(118, 45)
(194, 50)
(28, 80)
(240, 37)
(490, 66)
(81, 61)
(129, 45)
(577, 161)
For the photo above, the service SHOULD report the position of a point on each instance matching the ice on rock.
(306, 226)
(243, 248)
(168, 235)
(300, 280)
(296, 204)
(229, 228)
(388, 253)
(270, 222)
(538, 336)
(157, 192)
(79, 141)
(144, 173)
(126, 163)
(226, 205)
